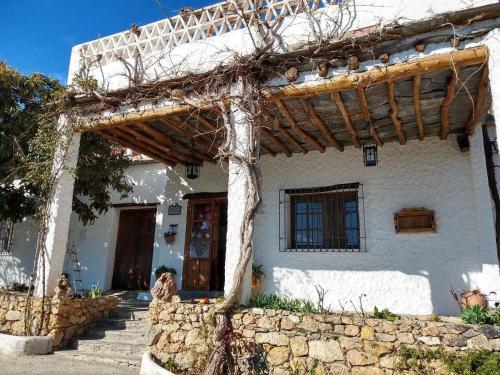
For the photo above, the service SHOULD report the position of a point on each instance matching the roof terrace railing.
(193, 25)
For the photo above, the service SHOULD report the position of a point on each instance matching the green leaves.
(272, 301)
(479, 315)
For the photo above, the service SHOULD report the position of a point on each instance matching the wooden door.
(201, 246)
(134, 249)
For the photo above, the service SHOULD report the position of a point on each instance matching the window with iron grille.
(6, 229)
(323, 219)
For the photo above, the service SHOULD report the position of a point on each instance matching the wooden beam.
(363, 103)
(337, 99)
(445, 107)
(416, 105)
(133, 147)
(398, 128)
(267, 150)
(301, 133)
(172, 153)
(316, 120)
(465, 57)
(274, 120)
(482, 93)
(169, 141)
(178, 125)
(268, 136)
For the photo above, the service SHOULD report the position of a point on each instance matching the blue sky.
(37, 35)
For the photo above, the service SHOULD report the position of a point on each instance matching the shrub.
(479, 315)
(257, 270)
(481, 362)
(162, 269)
(95, 291)
(384, 314)
(171, 365)
(272, 301)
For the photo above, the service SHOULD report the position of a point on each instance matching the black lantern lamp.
(370, 156)
(192, 171)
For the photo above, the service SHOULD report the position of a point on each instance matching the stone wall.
(63, 319)
(281, 342)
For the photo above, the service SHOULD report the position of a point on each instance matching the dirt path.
(55, 365)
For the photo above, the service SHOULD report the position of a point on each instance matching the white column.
(493, 43)
(236, 196)
(59, 213)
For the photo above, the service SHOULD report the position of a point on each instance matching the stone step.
(125, 334)
(115, 358)
(109, 346)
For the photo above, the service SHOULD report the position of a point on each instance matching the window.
(6, 228)
(322, 219)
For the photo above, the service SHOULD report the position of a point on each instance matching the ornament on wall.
(174, 209)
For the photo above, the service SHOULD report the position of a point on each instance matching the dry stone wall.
(64, 318)
(282, 342)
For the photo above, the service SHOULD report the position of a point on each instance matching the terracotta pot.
(472, 298)
(256, 285)
(169, 239)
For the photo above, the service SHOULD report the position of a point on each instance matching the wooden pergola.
(437, 95)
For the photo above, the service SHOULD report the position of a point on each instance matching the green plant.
(434, 318)
(479, 315)
(384, 314)
(415, 360)
(95, 291)
(171, 365)
(272, 301)
(257, 270)
(482, 362)
(162, 269)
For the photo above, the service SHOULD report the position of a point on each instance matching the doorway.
(205, 245)
(134, 249)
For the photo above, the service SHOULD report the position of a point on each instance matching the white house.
(395, 235)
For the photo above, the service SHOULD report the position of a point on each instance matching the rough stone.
(367, 371)
(377, 348)
(165, 287)
(387, 362)
(479, 342)
(299, 346)
(325, 351)
(385, 337)
(351, 330)
(431, 341)
(367, 333)
(455, 340)
(309, 324)
(405, 338)
(273, 338)
(277, 355)
(357, 358)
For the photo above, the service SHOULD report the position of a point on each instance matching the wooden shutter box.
(414, 220)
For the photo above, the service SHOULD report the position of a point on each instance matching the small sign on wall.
(174, 209)
(414, 220)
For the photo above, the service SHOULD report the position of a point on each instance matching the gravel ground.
(55, 365)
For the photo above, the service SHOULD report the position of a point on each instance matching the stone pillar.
(59, 212)
(493, 43)
(236, 196)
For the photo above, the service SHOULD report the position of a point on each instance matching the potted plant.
(162, 269)
(473, 297)
(257, 275)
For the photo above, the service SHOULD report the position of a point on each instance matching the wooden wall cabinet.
(415, 220)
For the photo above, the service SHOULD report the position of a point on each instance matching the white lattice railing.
(190, 26)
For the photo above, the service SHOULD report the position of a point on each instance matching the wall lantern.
(192, 171)
(370, 157)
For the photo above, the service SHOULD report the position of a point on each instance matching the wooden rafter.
(459, 58)
(284, 133)
(179, 125)
(318, 122)
(482, 92)
(398, 127)
(416, 104)
(363, 103)
(337, 99)
(445, 107)
(173, 153)
(169, 142)
(134, 147)
(296, 128)
(267, 150)
(268, 136)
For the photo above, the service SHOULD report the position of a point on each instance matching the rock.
(13, 315)
(495, 345)
(385, 337)
(479, 342)
(176, 299)
(367, 333)
(339, 369)
(273, 338)
(57, 336)
(387, 362)
(430, 341)
(325, 351)
(348, 343)
(265, 323)
(367, 371)
(431, 330)
(351, 330)
(299, 346)
(18, 328)
(277, 356)
(308, 324)
(248, 319)
(491, 332)
(377, 348)
(165, 288)
(406, 338)
(455, 340)
(62, 289)
(248, 333)
(357, 358)
(194, 338)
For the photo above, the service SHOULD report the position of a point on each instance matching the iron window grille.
(6, 230)
(322, 219)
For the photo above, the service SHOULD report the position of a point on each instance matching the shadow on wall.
(12, 270)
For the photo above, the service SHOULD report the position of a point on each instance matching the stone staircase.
(119, 339)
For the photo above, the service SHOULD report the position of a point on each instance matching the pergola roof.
(433, 96)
